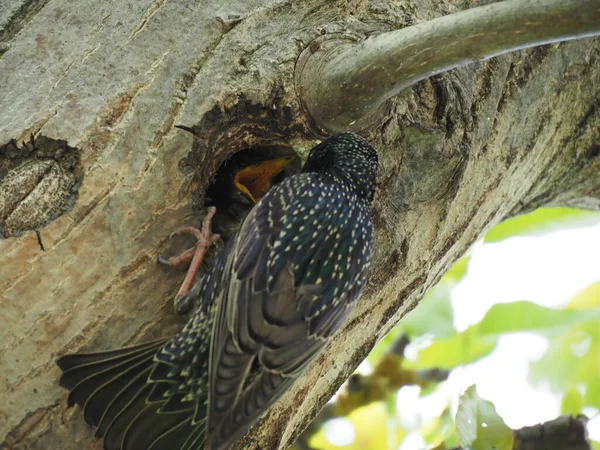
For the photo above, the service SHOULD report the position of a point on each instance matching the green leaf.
(592, 393)
(589, 298)
(595, 445)
(524, 316)
(383, 345)
(457, 271)
(572, 402)
(461, 348)
(541, 220)
(370, 426)
(391, 404)
(432, 316)
(478, 425)
(480, 339)
(440, 430)
(572, 357)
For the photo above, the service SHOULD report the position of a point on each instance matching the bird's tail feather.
(114, 390)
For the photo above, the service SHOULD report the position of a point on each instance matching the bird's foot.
(186, 303)
(205, 239)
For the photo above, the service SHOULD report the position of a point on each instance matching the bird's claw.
(190, 230)
(205, 238)
(186, 302)
(177, 260)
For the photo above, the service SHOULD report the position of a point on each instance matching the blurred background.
(509, 337)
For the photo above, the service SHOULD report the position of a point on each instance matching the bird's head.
(348, 157)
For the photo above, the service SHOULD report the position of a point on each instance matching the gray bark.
(461, 152)
(343, 80)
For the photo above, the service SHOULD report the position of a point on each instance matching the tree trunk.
(460, 152)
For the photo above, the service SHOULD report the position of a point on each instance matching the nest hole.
(243, 179)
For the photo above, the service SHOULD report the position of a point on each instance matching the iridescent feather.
(277, 293)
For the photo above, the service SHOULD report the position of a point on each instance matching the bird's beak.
(255, 180)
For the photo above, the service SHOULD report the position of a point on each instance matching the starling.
(255, 180)
(242, 180)
(279, 290)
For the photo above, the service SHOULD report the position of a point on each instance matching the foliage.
(570, 365)
(573, 358)
(478, 425)
(373, 428)
(480, 339)
(539, 221)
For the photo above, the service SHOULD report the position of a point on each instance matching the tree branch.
(517, 133)
(562, 433)
(342, 83)
(386, 379)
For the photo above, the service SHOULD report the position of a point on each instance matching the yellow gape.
(256, 179)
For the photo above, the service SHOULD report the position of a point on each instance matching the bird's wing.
(288, 292)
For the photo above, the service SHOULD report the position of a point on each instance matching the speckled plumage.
(280, 289)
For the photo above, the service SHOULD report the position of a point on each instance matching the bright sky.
(547, 269)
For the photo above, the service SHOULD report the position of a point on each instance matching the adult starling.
(276, 294)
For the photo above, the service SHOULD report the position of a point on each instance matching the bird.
(239, 183)
(275, 296)
(242, 180)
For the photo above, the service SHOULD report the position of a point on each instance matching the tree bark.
(460, 152)
(343, 82)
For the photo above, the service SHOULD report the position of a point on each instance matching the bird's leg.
(205, 239)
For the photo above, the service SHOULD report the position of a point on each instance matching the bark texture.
(460, 151)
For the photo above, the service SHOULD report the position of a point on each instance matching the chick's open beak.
(255, 180)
